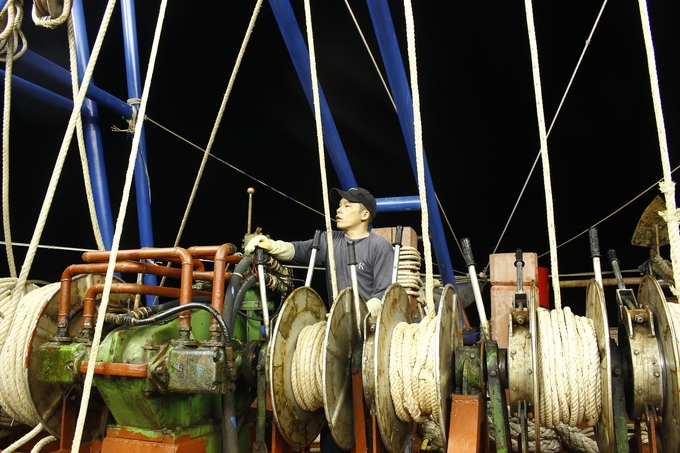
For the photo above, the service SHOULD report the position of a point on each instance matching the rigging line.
(51, 247)
(552, 123)
(218, 120)
(612, 214)
(441, 208)
(370, 54)
(219, 159)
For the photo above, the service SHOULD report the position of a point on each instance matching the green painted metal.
(140, 402)
(58, 362)
(468, 363)
(497, 403)
(247, 328)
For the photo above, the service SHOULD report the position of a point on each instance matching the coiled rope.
(569, 369)
(307, 367)
(412, 352)
(408, 273)
(15, 397)
(569, 381)
(43, 16)
(411, 370)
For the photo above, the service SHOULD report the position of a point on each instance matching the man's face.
(350, 214)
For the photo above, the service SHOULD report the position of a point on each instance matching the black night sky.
(479, 124)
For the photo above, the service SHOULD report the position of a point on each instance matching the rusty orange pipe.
(103, 257)
(133, 288)
(120, 266)
(184, 326)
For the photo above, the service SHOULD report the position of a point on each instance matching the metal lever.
(520, 298)
(470, 263)
(595, 254)
(312, 260)
(259, 261)
(623, 296)
(352, 261)
(397, 249)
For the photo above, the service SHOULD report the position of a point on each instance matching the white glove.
(284, 251)
(374, 305)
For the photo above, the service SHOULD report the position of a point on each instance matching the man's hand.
(283, 251)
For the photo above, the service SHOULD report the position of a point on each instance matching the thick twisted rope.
(81, 140)
(569, 369)
(411, 371)
(10, 38)
(307, 367)
(550, 212)
(420, 166)
(330, 261)
(671, 215)
(99, 327)
(218, 120)
(42, 16)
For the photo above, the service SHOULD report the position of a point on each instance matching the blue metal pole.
(285, 17)
(93, 139)
(134, 83)
(398, 204)
(40, 94)
(396, 75)
(42, 65)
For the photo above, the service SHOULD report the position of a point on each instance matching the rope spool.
(15, 393)
(307, 369)
(569, 375)
(412, 383)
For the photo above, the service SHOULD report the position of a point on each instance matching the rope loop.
(12, 40)
(50, 13)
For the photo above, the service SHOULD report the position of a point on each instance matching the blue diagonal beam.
(292, 36)
(396, 75)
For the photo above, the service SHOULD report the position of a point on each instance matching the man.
(374, 254)
(374, 257)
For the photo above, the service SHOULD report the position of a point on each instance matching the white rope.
(58, 166)
(25, 438)
(412, 352)
(41, 443)
(671, 215)
(307, 367)
(47, 20)
(370, 54)
(11, 36)
(322, 157)
(569, 369)
(408, 274)
(411, 370)
(5, 153)
(81, 140)
(218, 120)
(552, 123)
(544, 154)
(14, 395)
(418, 135)
(87, 385)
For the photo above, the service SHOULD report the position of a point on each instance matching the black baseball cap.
(357, 195)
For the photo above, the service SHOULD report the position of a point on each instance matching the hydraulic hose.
(240, 295)
(234, 284)
(131, 321)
